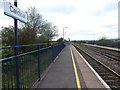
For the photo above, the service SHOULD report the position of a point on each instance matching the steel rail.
(102, 64)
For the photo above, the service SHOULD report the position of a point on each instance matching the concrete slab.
(90, 79)
(61, 74)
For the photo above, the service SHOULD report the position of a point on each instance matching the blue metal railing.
(31, 64)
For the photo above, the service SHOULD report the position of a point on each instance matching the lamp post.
(64, 32)
(94, 37)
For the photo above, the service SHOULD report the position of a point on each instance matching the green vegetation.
(103, 42)
(60, 40)
(28, 68)
(79, 42)
(36, 31)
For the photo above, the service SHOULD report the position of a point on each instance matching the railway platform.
(71, 70)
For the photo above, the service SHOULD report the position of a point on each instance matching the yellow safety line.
(75, 70)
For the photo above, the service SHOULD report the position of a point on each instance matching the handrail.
(23, 46)
(26, 52)
(31, 64)
(26, 45)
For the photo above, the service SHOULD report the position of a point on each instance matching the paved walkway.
(61, 74)
(70, 70)
(88, 75)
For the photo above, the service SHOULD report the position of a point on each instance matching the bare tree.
(47, 30)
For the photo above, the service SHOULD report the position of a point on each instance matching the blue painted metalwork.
(38, 63)
(31, 65)
(24, 46)
(16, 49)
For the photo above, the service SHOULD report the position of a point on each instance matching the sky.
(85, 19)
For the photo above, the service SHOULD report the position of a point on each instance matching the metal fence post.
(52, 53)
(38, 63)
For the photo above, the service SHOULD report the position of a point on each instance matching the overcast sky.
(84, 18)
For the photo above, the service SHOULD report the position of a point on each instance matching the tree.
(45, 29)
(60, 40)
(35, 20)
(27, 36)
(103, 38)
(49, 31)
(7, 36)
(37, 30)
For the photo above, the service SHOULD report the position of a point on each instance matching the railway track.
(109, 58)
(107, 74)
(114, 54)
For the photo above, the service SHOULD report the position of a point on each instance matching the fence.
(24, 69)
(109, 43)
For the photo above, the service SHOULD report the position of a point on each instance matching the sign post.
(16, 48)
(17, 14)
(14, 12)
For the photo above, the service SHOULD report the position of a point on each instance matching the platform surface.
(62, 72)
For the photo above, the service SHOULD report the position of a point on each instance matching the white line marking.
(101, 80)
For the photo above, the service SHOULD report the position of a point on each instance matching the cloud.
(109, 26)
(106, 7)
(60, 8)
(1, 5)
(119, 20)
(82, 17)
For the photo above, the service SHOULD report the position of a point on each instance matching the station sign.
(14, 12)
